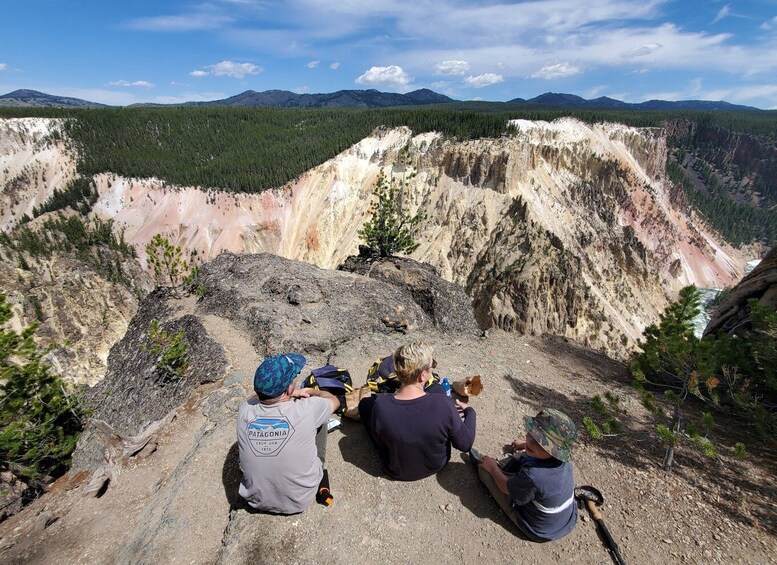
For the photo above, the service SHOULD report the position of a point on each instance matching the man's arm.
(308, 392)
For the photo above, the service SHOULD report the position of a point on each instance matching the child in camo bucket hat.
(553, 430)
(535, 486)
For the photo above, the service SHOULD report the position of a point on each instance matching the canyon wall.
(35, 159)
(563, 228)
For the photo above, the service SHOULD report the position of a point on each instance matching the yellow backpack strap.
(373, 377)
(310, 382)
(434, 378)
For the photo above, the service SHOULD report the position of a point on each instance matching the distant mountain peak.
(32, 98)
(565, 100)
(373, 98)
(24, 93)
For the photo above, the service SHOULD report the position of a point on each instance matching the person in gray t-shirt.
(281, 435)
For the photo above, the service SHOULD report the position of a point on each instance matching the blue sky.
(173, 51)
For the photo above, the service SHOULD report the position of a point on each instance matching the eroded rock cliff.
(563, 228)
(35, 159)
(80, 311)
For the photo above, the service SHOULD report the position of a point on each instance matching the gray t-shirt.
(281, 470)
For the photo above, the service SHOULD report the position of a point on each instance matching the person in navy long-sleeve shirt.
(415, 428)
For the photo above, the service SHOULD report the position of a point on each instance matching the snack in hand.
(468, 387)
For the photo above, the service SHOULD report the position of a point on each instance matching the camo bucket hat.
(553, 430)
(276, 373)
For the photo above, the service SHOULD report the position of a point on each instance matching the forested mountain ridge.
(574, 101)
(252, 149)
(341, 99)
(729, 177)
(372, 98)
(35, 99)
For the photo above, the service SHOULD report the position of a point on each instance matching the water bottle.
(446, 385)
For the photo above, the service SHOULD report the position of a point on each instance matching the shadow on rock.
(357, 449)
(231, 476)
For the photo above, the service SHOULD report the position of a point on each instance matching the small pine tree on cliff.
(389, 230)
(675, 360)
(39, 420)
(170, 268)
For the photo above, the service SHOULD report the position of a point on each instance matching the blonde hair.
(411, 360)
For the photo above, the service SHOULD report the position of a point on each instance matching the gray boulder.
(286, 305)
(447, 304)
(135, 393)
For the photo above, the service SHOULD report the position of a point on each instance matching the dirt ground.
(180, 504)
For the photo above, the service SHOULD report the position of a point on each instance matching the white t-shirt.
(281, 469)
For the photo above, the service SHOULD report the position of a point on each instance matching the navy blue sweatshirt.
(414, 437)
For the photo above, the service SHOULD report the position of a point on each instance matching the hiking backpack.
(333, 380)
(381, 377)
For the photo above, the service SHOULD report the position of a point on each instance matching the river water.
(708, 295)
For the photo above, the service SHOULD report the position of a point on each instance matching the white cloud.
(641, 51)
(769, 24)
(597, 35)
(598, 48)
(559, 70)
(227, 69)
(313, 64)
(206, 17)
(334, 66)
(3, 66)
(474, 24)
(391, 76)
(595, 91)
(234, 70)
(137, 83)
(451, 68)
(724, 11)
(301, 89)
(483, 80)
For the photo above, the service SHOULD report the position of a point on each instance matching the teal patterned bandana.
(276, 373)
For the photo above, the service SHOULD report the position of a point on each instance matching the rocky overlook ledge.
(156, 475)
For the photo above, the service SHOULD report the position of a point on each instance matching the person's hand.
(489, 463)
(519, 444)
(461, 406)
(301, 393)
